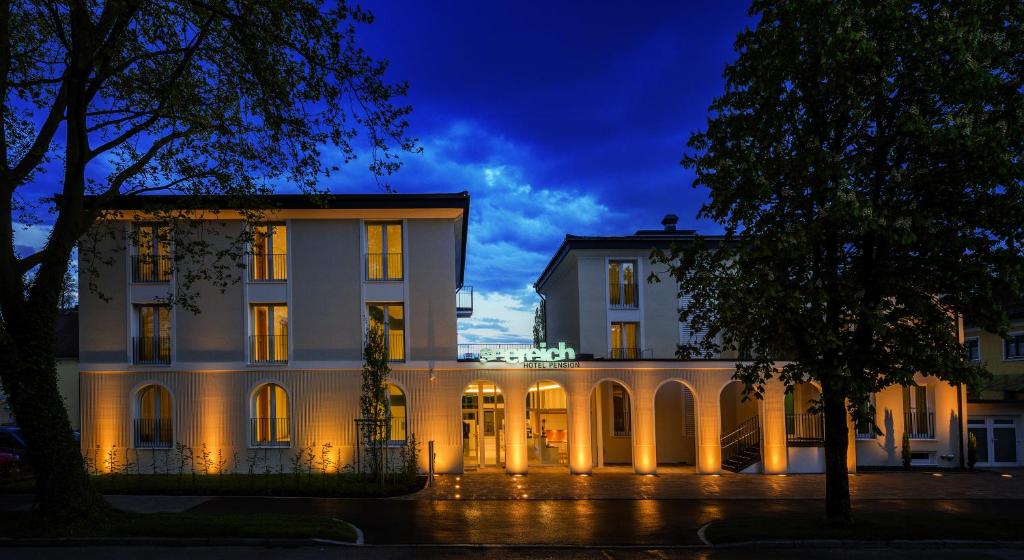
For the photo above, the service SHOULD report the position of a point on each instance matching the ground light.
(937, 475)
(1007, 475)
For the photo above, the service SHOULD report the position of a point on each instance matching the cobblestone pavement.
(620, 483)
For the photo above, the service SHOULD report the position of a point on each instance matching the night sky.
(557, 117)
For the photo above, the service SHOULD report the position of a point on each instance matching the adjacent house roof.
(67, 334)
(459, 200)
(642, 239)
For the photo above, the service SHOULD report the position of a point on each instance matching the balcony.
(154, 433)
(623, 295)
(269, 432)
(919, 424)
(384, 267)
(269, 348)
(396, 346)
(151, 268)
(464, 302)
(805, 430)
(148, 350)
(469, 352)
(268, 268)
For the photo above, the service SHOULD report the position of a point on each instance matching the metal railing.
(154, 433)
(269, 348)
(269, 432)
(396, 346)
(151, 268)
(471, 351)
(151, 350)
(630, 353)
(265, 267)
(623, 294)
(747, 435)
(464, 302)
(806, 429)
(919, 424)
(384, 266)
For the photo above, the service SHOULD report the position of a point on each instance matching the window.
(153, 421)
(1013, 347)
(384, 251)
(152, 259)
(389, 318)
(625, 342)
(269, 259)
(270, 417)
(270, 333)
(152, 343)
(620, 411)
(396, 414)
(865, 429)
(622, 287)
(972, 345)
(918, 420)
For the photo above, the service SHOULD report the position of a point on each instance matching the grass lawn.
(873, 521)
(182, 525)
(319, 485)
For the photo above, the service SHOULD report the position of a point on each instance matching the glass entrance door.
(996, 440)
(483, 425)
(547, 425)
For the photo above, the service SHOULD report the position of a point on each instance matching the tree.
(128, 97)
(374, 411)
(865, 163)
(539, 324)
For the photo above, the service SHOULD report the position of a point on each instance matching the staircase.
(741, 447)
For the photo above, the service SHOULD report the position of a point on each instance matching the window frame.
(137, 416)
(270, 254)
(392, 441)
(976, 339)
(1018, 338)
(619, 282)
(626, 410)
(611, 336)
(153, 252)
(137, 328)
(385, 305)
(274, 442)
(385, 268)
(271, 326)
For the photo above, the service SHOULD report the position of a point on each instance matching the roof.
(67, 335)
(328, 201)
(642, 239)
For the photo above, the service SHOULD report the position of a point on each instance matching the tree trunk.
(63, 489)
(837, 481)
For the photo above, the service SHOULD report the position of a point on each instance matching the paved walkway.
(612, 484)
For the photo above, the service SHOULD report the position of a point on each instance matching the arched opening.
(269, 425)
(741, 429)
(154, 420)
(547, 424)
(611, 421)
(805, 426)
(675, 425)
(397, 414)
(483, 425)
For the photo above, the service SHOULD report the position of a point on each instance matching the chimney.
(670, 221)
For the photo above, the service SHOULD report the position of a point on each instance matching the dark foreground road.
(581, 522)
(388, 553)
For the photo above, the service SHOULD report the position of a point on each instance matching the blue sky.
(557, 117)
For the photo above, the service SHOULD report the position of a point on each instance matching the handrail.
(747, 435)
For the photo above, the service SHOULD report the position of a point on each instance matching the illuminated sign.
(537, 357)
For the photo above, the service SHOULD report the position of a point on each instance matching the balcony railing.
(396, 346)
(269, 348)
(919, 424)
(630, 353)
(153, 433)
(623, 295)
(151, 350)
(151, 268)
(384, 266)
(470, 352)
(805, 430)
(269, 432)
(268, 268)
(464, 302)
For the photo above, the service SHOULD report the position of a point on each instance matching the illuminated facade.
(272, 363)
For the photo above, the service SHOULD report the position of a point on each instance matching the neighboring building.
(66, 352)
(272, 364)
(996, 416)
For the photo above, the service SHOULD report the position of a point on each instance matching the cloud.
(500, 317)
(29, 238)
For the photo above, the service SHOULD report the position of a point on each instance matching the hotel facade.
(272, 363)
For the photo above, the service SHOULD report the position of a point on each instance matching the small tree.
(972, 451)
(374, 422)
(539, 324)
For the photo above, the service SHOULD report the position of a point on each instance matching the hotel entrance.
(483, 425)
(547, 425)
